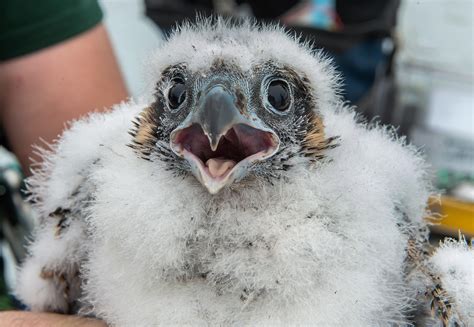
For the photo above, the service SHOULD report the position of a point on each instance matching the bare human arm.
(30, 319)
(40, 92)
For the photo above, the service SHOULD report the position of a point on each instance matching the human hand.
(35, 319)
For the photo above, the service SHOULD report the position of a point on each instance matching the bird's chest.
(255, 253)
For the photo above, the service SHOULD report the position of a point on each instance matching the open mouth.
(237, 148)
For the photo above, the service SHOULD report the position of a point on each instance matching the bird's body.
(317, 231)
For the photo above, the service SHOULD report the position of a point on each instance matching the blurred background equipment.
(435, 74)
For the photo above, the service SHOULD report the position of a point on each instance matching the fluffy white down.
(454, 263)
(324, 247)
(65, 169)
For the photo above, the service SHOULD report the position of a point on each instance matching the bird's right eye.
(177, 93)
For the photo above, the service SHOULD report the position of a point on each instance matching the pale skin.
(30, 319)
(39, 93)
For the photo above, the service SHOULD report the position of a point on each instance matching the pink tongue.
(219, 166)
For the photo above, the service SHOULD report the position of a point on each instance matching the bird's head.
(235, 102)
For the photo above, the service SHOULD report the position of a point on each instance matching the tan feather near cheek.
(315, 141)
(144, 134)
(145, 131)
(315, 136)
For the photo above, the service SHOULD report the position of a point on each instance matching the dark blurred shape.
(357, 34)
(169, 13)
(363, 11)
(16, 220)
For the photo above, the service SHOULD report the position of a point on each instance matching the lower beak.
(219, 142)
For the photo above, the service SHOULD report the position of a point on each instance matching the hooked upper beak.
(220, 142)
(218, 114)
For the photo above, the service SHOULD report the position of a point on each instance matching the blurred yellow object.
(455, 216)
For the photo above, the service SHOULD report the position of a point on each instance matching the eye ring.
(278, 96)
(176, 94)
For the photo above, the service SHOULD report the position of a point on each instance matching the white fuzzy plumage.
(327, 246)
(454, 263)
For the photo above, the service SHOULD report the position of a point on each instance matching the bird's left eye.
(177, 93)
(279, 95)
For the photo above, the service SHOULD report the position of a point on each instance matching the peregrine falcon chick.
(244, 192)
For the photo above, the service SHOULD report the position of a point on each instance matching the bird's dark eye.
(177, 93)
(279, 95)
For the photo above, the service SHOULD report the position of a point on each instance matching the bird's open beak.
(220, 142)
